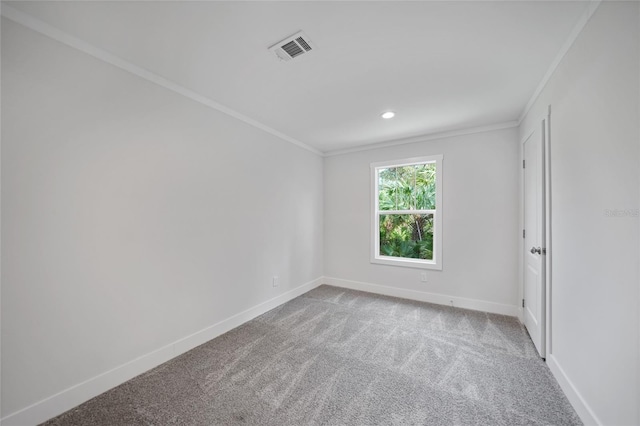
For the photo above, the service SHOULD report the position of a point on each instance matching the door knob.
(535, 250)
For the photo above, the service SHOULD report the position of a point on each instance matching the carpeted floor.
(342, 357)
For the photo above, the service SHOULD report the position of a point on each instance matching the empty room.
(320, 212)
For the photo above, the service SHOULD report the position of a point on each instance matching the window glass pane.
(407, 188)
(387, 189)
(425, 187)
(405, 184)
(406, 235)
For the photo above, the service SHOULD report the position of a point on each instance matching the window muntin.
(407, 213)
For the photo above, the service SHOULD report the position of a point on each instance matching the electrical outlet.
(275, 281)
(423, 277)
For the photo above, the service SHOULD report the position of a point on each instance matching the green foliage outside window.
(403, 190)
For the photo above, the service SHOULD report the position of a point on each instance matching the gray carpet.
(342, 357)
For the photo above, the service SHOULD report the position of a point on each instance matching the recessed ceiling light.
(387, 115)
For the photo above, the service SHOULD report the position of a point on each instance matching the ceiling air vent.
(292, 47)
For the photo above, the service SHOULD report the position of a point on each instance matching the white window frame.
(376, 257)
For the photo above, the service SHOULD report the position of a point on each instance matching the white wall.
(594, 96)
(133, 217)
(480, 220)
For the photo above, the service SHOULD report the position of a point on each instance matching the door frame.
(547, 258)
(547, 229)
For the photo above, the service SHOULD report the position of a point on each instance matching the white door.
(534, 236)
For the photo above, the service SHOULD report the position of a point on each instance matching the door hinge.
(523, 233)
(523, 164)
(523, 303)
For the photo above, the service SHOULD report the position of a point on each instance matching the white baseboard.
(77, 394)
(587, 415)
(440, 299)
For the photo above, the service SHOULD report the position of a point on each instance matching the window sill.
(407, 263)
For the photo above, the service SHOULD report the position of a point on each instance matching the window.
(407, 212)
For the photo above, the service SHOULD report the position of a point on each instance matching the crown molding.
(425, 137)
(78, 44)
(577, 29)
(87, 48)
